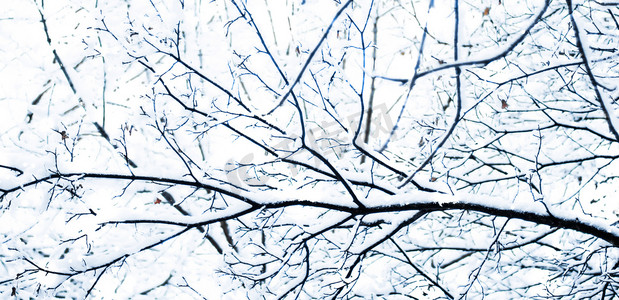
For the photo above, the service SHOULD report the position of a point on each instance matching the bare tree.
(310, 149)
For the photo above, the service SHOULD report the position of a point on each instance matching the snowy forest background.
(305, 149)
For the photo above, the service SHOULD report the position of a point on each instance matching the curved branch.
(404, 202)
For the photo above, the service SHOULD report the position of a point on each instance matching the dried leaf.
(486, 11)
(157, 201)
(504, 104)
(64, 135)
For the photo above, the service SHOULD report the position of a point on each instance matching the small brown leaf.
(486, 11)
(504, 104)
(433, 179)
(157, 201)
(64, 135)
